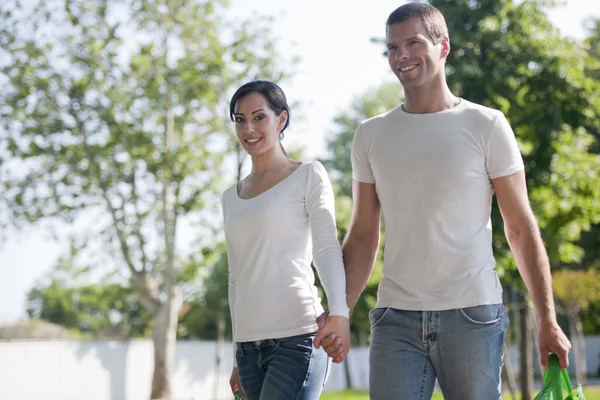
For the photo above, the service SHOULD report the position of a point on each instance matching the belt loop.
(239, 349)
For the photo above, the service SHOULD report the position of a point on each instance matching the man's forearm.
(359, 257)
(534, 267)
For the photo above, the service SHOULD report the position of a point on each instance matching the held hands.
(234, 382)
(333, 336)
(551, 339)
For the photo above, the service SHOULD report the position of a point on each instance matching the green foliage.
(590, 240)
(592, 43)
(577, 290)
(119, 112)
(200, 317)
(100, 310)
(39, 330)
(590, 319)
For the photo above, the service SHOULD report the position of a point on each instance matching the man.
(432, 165)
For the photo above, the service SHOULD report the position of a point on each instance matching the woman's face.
(256, 124)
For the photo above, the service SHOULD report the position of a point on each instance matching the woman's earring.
(280, 135)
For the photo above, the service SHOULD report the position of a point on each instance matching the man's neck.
(429, 99)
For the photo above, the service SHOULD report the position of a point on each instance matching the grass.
(591, 393)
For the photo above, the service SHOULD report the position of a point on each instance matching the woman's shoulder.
(315, 172)
(230, 192)
(313, 166)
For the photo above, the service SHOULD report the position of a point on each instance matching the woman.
(278, 220)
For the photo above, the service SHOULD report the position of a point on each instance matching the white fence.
(69, 370)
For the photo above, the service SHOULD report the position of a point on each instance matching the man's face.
(412, 54)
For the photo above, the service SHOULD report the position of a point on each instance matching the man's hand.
(333, 336)
(234, 382)
(551, 339)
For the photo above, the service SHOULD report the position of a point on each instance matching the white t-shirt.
(432, 174)
(271, 241)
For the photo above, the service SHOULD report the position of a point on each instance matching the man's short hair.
(431, 17)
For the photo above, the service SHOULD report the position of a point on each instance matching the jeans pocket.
(300, 345)
(377, 315)
(488, 314)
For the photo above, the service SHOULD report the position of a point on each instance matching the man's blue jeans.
(282, 369)
(462, 348)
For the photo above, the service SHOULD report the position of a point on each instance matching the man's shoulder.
(479, 111)
(483, 121)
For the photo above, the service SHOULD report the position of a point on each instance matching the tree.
(106, 310)
(590, 240)
(38, 330)
(115, 111)
(200, 318)
(576, 291)
(593, 47)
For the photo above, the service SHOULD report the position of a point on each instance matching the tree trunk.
(164, 321)
(219, 347)
(578, 342)
(241, 155)
(347, 373)
(164, 331)
(526, 353)
(508, 375)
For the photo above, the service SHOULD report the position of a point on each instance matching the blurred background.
(115, 144)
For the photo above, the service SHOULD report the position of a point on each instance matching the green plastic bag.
(555, 380)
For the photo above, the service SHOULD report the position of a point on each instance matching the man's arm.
(525, 241)
(362, 240)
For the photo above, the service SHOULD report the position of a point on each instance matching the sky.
(338, 63)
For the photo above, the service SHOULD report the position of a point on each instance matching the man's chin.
(409, 83)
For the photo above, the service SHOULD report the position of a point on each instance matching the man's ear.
(445, 42)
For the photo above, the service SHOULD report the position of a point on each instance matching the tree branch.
(138, 223)
(94, 166)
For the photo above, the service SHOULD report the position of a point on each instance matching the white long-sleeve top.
(271, 241)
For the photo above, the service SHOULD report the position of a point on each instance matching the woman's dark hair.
(273, 93)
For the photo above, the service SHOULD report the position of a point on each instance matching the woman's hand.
(334, 329)
(234, 382)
